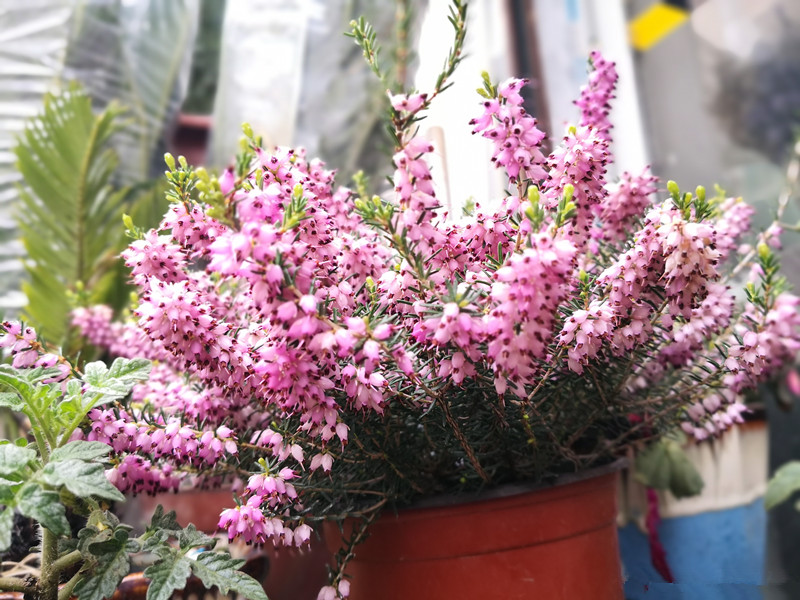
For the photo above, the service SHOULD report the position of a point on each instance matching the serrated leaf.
(130, 369)
(14, 459)
(12, 401)
(80, 450)
(218, 569)
(7, 491)
(84, 479)
(6, 528)
(111, 563)
(43, 505)
(24, 379)
(191, 538)
(167, 575)
(164, 521)
(73, 400)
(110, 543)
(783, 484)
(13, 378)
(104, 519)
(118, 380)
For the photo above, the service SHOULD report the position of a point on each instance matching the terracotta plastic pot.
(558, 543)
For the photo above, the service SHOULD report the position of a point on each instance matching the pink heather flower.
(691, 258)
(580, 162)
(25, 351)
(455, 326)
(587, 329)
(382, 331)
(321, 460)
(457, 368)
(328, 592)
(793, 382)
(191, 228)
(596, 95)
(302, 534)
(413, 184)
(273, 489)
(525, 296)
(226, 181)
(137, 475)
(625, 202)
(763, 351)
(407, 103)
(710, 317)
(734, 221)
(155, 256)
(517, 141)
(772, 236)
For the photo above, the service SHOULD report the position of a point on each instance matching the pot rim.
(512, 489)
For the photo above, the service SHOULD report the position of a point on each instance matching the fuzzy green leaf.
(164, 521)
(218, 569)
(80, 450)
(73, 402)
(25, 380)
(118, 380)
(84, 479)
(191, 538)
(108, 554)
(167, 574)
(14, 459)
(783, 484)
(6, 528)
(44, 506)
(12, 400)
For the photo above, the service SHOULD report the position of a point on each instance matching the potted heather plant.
(371, 361)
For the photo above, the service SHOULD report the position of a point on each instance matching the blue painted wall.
(713, 556)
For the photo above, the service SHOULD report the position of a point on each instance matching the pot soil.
(558, 543)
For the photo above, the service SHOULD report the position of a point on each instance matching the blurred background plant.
(133, 58)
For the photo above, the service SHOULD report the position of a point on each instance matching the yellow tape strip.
(654, 24)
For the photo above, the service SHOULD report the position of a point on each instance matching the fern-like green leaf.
(69, 215)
